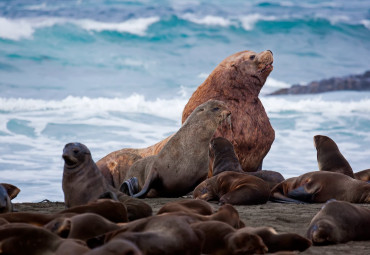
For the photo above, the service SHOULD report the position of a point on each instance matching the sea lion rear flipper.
(301, 194)
(130, 186)
(280, 198)
(152, 176)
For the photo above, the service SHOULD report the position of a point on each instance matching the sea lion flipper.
(280, 198)
(152, 176)
(301, 194)
(11, 190)
(130, 186)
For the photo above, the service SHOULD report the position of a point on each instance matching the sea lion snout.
(73, 152)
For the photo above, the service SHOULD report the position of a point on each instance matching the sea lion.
(83, 182)
(187, 206)
(7, 193)
(82, 226)
(363, 175)
(279, 241)
(319, 187)
(20, 238)
(233, 188)
(237, 81)
(339, 222)
(111, 210)
(222, 158)
(221, 238)
(183, 161)
(329, 157)
(116, 247)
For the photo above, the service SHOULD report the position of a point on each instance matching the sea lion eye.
(76, 150)
(252, 57)
(215, 109)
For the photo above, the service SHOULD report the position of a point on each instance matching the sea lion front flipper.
(280, 198)
(300, 194)
(11, 190)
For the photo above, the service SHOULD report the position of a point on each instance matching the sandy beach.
(283, 217)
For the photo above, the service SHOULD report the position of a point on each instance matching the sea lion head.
(75, 154)
(220, 145)
(249, 66)
(241, 242)
(324, 142)
(323, 232)
(213, 111)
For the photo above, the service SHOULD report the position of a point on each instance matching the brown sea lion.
(187, 206)
(329, 157)
(222, 158)
(279, 242)
(116, 247)
(339, 222)
(7, 193)
(319, 187)
(111, 210)
(183, 161)
(233, 188)
(363, 175)
(20, 238)
(221, 239)
(237, 80)
(83, 183)
(82, 226)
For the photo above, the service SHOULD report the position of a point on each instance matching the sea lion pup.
(319, 187)
(221, 239)
(7, 193)
(237, 81)
(187, 206)
(339, 222)
(183, 161)
(111, 210)
(222, 158)
(329, 157)
(83, 182)
(83, 226)
(279, 242)
(233, 188)
(19, 238)
(363, 175)
(116, 247)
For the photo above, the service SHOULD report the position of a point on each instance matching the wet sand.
(283, 217)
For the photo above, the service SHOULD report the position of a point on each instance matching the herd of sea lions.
(216, 155)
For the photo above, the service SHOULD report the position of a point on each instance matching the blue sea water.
(114, 74)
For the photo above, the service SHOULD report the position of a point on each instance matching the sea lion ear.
(11, 190)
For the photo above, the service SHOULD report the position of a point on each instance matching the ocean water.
(114, 74)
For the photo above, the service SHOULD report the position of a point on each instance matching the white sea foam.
(207, 20)
(16, 29)
(249, 21)
(366, 23)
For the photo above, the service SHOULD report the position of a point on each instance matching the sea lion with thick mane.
(222, 158)
(183, 161)
(233, 188)
(339, 222)
(319, 187)
(329, 157)
(7, 193)
(237, 81)
(83, 183)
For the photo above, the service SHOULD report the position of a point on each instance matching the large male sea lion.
(329, 157)
(183, 161)
(339, 222)
(83, 183)
(319, 187)
(222, 158)
(233, 188)
(237, 81)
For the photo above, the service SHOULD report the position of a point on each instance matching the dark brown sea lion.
(221, 239)
(7, 193)
(223, 158)
(83, 182)
(82, 226)
(233, 188)
(111, 210)
(329, 157)
(279, 242)
(183, 161)
(237, 81)
(363, 175)
(187, 206)
(20, 238)
(339, 222)
(116, 247)
(319, 187)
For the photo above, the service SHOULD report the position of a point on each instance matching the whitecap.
(207, 20)
(248, 22)
(366, 23)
